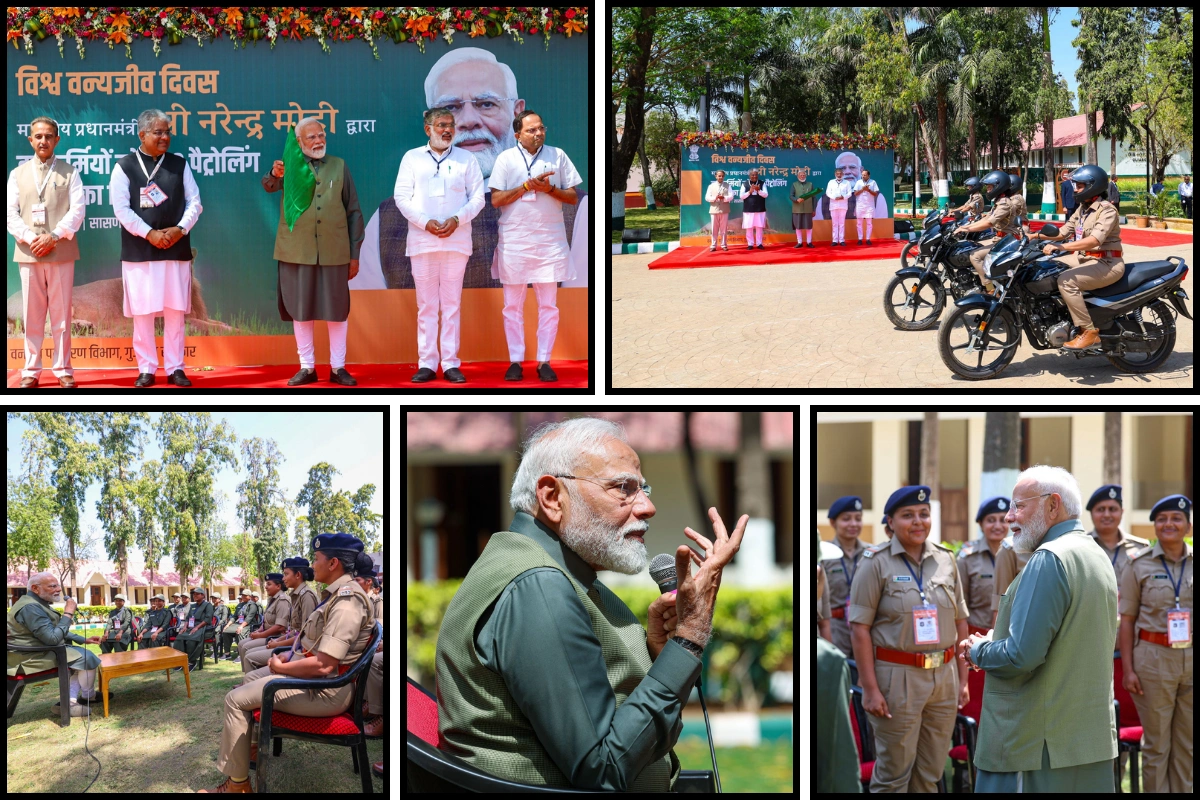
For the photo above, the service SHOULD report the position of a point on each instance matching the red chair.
(966, 732)
(344, 729)
(17, 683)
(866, 740)
(433, 770)
(1129, 729)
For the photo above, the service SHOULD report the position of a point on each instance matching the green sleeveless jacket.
(477, 716)
(1066, 701)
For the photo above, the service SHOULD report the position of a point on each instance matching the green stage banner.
(778, 169)
(230, 109)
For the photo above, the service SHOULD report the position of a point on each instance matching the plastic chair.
(344, 729)
(866, 740)
(433, 770)
(17, 683)
(1129, 730)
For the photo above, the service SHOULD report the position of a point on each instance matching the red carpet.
(479, 375)
(739, 256)
(1142, 237)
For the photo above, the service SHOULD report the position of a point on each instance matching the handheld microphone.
(662, 571)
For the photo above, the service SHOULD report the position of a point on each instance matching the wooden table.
(134, 662)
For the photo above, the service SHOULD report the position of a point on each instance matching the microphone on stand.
(662, 570)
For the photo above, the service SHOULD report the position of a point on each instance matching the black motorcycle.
(1137, 329)
(913, 300)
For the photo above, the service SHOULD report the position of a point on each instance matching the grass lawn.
(663, 223)
(157, 740)
(767, 768)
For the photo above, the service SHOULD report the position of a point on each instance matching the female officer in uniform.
(1156, 598)
(977, 563)
(846, 516)
(906, 608)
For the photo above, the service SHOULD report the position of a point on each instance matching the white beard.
(1031, 534)
(597, 543)
(487, 156)
(313, 153)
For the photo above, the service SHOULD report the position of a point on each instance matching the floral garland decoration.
(786, 141)
(245, 25)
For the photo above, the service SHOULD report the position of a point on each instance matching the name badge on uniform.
(529, 197)
(152, 195)
(38, 212)
(901, 579)
(153, 631)
(1179, 627)
(925, 624)
(241, 617)
(116, 622)
(191, 623)
(985, 576)
(437, 187)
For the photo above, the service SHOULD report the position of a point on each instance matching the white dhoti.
(47, 287)
(865, 213)
(754, 222)
(438, 278)
(514, 320)
(153, 289)
(837, 211)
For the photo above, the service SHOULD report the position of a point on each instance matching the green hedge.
(84, 613)
(752, 635)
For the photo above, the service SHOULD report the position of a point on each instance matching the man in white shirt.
(45, 209)
(1185, 195)
(718, 195)
(156, 251)
(865, 192)
(439, 190)
(838, 191)
(530, 183)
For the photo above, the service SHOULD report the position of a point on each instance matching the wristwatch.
(689, 645)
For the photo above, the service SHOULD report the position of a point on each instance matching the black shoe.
(749, 247)
(340, 375)
(545, 373)
(424, 375)
(868, 242)
(798, 246)
(760, 247)
(303, 376)
(178, 378)
(514, 372)
(810, 244)
(454, 375)
(144, 379)
(177, 669)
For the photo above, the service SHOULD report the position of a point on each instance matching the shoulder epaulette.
(875, 548)
(968, 549)
(1007, 543)
(943, 547)
(1140, 553)
(1139, 541)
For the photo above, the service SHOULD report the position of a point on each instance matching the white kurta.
(460, 182)
(532, 246)
(151, 286)
(838, 193)
(864, 204)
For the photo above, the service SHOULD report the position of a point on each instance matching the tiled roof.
(138, 576)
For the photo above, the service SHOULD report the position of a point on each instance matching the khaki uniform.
(375, 685)
(974, 204)
(1165, 672)
(340, 627)
(823, 607)
(977, 570)
(1009, 564)
(302, 601)
(279, 611)
(377, 604)
(1100, 219)
(911, 747)
(1127, 548)
(1003, 219)
(839, 572)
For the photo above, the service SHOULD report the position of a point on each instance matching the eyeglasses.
(443, 126)
(159, 133)
(1020, 505)
(314, 137)
(627, 488)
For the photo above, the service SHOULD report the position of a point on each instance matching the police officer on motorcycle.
(1002, 219)
(974, 204)
(1097, 260)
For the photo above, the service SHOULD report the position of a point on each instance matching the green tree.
(262, 504)
(368, 521)
(662, 151)
(318, 495)
(1109, 48)
(633, 35)
(215, 549)
(31, 508)
(121, 437)
(148, 534)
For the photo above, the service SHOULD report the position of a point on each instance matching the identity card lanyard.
(1179, 629)
(439, 162)
(849, 575)
(529, 164)
(38, 210)
(41, 187)
(925, 621)
(296, 644)
(151, 194)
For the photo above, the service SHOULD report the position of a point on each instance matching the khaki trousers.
(1088, 273)
(255, 658)
(47, 287)
(375, 685)
(911, 747)
(1166, 714)
(239, 730)
(249, 646)
(978, 256)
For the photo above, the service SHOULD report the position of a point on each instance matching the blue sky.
(351, 442)
(1065, 57)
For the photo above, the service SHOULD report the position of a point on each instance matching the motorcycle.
(942, 265)
(1137, 329)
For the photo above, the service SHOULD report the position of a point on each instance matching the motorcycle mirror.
(1050, 229)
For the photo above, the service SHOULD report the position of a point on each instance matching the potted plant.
(1160, 209)
(1142, 219)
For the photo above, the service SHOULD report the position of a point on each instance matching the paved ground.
(820, 326)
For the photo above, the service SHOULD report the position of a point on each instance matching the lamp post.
(707, 92)
(916, 163)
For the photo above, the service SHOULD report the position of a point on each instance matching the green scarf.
(299, 183)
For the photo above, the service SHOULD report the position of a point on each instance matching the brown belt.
(342, 668)
(1103, 253)
(839, 613)
(1160, 638)
(923, 660)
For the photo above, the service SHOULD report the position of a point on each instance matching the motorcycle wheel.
(908, 248)
(897, 294)
(1148, 362)
(1001, 338)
